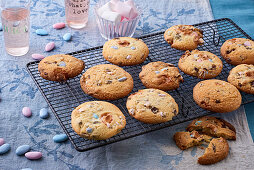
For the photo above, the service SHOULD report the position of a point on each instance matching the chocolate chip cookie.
(125, 51)
(242, 77)
(60, 67)
(160, 75)
(238, 51)
(97, 120)
(152, 106)
(184, 37)
(201, 64)
(217, 96)
(106, 82)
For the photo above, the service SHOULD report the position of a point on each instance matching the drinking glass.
(15, 15)
(76, 13)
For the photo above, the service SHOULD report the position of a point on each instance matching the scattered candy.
(157, 72)
(195, 55)
(114, 47)
(1, 141)
(26, 169)
(33, 155)
(50, 46)
(210, 60)
(128, 57)
(59, 25)
(67, 37)
(133, 48)
(44, 113)
(37, 56)
(60, 138)
(165, 68)
(122, 79)
(95, 116)
(21, 150)
(26, 111)
(247, 43)
(199, 60)
(62, 64)
(5, 148)
(89, 130)
(41, 32)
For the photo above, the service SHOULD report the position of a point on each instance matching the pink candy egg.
(50, 46)
(247, 43)
(33, 155)
(37, 56)
(26, 111)
(59, 25)
(1, 141)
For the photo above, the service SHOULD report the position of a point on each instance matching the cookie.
(184, 37)
(97, 120)
(242, 77)
(217, 96)
(60, 67)
(216, 151)
(238, 51)
(185, 140)
(213, 126)
(160, 75)
(106, 82)
(125, 51)
(152, 106)
(201, 64)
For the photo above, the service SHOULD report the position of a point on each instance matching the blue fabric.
(242, 13)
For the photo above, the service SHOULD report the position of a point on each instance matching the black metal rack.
(64, 97)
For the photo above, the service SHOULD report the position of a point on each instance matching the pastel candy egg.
(41, 32)
(60, 138)
(247, 43)
(33, 155)
(26, 169)
(50, 46)
(5, 148)
(21, 150)
(59, 25)
(26, 111)
(44, 113)
(37, 56)
(67, 37)
(1, 141)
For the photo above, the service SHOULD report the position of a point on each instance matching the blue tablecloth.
(241, 12)
(151, 151)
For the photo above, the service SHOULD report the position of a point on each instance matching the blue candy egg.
(21, 150)
(60, 138)
(26, 169)
(41, 32)
(5, 148)
(67, 37)
(44, 113)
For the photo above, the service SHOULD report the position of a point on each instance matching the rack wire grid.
(64, 97)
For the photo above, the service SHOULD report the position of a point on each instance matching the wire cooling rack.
(64, 97)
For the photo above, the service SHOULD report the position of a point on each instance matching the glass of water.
(15, 15)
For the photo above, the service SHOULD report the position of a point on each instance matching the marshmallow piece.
(114, 1)
(105, 8)
(130, 3)
(133, 13)
(111, 16)
(123, 9)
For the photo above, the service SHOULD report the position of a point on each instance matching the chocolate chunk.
(154, 110)
(45, 73)
(203, 102)
(124, 43)
(108, 81)
(252, 83)
(248, 48)
(228, 60)
(217, 101)
(174, 112)
(214, 148)
(177, 36)
(229, 51)
(213, 66)
(88, 76)
(196, 69)
(240, 84)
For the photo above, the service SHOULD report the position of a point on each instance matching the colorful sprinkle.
(59, 25)
(89, 130)
(210, 60)
(157, 72)
(164, 69)
(132, 111)
(195, 55)
(60, 138)
(62, 64)
(67, 37)
(162, 95)
(247, 43)
(44, 113)
(21, 150)
(133, 48)
(162, 114)
(128, 57)
(192, 136)
(26, 111)
(199, 60)
(197, 122)
(41, 32)
(122, 79)
(5, 148)
(1, 141)
(114, 47)
(95, 116)
(50, 46)
(33, 155)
